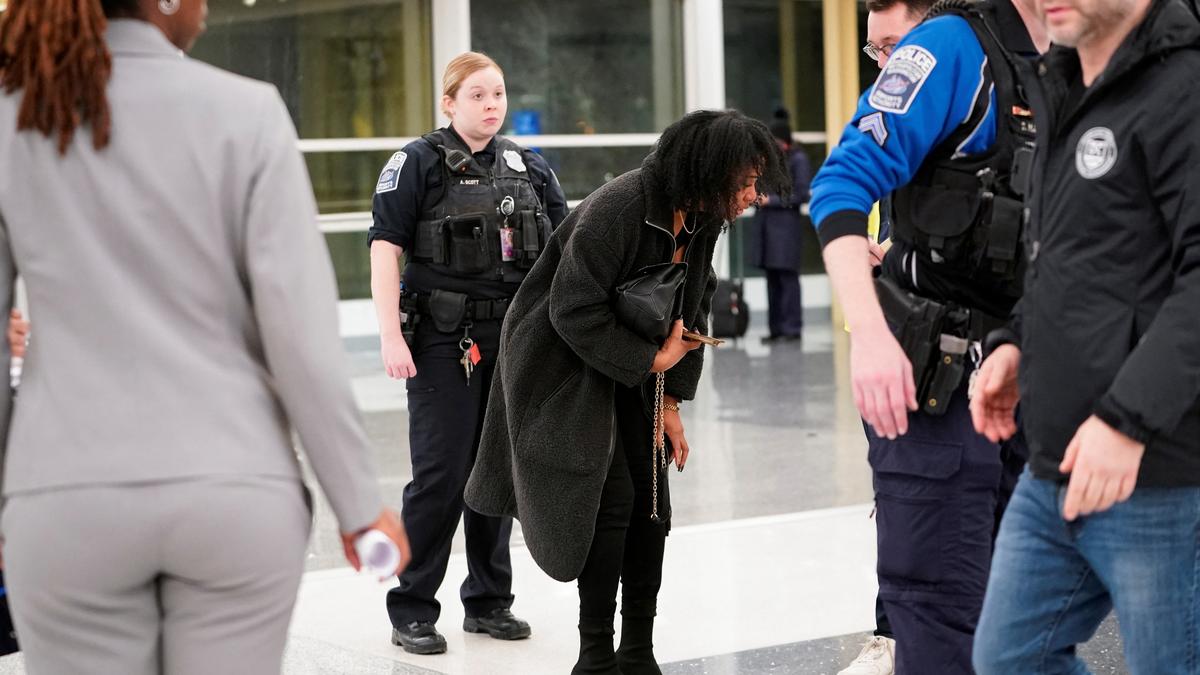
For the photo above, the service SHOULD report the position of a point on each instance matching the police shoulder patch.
(906, 72)
(389, 178)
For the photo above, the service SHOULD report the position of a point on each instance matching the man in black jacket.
(1107, 343)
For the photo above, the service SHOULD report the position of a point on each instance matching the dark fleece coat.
(548, 432)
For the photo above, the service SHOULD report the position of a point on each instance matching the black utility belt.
(448, 310)
(936, 337)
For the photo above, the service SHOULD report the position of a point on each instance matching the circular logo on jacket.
(1096, 152)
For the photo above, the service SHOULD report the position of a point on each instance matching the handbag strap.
(658, 447)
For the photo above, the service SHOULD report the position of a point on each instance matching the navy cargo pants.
(939, 491)
(445, 417)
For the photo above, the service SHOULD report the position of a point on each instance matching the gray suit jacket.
(182, 298)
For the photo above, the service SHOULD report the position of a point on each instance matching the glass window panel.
(774, 56)
(345, 181)
(345, 68)
(577, 66)
(583, 170)
(351, 263)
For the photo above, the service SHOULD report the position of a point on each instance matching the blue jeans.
(1053, 582)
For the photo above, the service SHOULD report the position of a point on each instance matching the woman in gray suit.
(161, 217)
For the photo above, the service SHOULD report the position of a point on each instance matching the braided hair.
(697, 158)
(55, 51)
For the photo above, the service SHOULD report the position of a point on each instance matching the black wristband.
(841, 224)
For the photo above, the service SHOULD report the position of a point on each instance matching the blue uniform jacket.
(924, 93)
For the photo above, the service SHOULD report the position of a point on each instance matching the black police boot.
(596, 655)
(419, 637)
(498, 623)
(635, 656)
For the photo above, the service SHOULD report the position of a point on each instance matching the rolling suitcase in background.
(730, 313)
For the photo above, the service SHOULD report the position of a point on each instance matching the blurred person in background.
(779, 232)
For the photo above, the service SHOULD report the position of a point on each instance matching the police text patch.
(389, 178)
(906, 72)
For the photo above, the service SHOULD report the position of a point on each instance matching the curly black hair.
(698, 160)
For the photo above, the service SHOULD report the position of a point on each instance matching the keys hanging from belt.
(470, 352)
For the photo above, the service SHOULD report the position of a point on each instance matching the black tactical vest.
(488, 224)
(967, 213)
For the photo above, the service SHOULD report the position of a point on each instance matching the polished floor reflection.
(770, 567)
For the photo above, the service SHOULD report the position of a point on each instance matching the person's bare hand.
(877, 252)
(1103, 464)
(995, 395)
(673, 349)
(397, 359)
(882, 379)
(388, 523)
(674, 429)
(18, 333)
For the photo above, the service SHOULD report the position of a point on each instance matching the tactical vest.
(964, 212)
(488, 224)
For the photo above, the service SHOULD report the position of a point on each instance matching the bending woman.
(566, 443)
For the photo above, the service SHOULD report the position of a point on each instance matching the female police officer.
(471, 211)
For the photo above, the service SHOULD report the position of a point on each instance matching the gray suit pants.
(195, 576)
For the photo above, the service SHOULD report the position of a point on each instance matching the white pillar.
(704, 54)
(451, 21)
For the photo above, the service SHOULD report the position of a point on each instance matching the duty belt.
(477, 310)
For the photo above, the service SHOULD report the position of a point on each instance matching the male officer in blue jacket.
(944, 130)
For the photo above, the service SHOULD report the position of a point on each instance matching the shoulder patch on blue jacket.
(389, 178)
(906, 72)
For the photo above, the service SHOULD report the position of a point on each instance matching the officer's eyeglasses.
(876, 52)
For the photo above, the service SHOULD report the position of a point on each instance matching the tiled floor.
(769, 568)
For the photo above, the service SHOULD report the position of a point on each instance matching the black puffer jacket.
(1110, 321)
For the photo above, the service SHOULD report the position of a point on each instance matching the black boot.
(596, 655)
(636, 654)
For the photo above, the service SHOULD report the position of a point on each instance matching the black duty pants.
(445, 417)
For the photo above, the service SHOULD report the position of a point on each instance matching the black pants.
(445, 417)
(627, 546)
(785, 308)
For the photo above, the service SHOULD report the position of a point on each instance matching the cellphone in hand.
(697, 337)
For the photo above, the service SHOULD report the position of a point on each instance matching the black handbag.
(652, 300)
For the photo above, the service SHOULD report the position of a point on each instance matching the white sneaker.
(876, 658)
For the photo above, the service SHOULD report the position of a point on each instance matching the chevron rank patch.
(906, 72)
(873, 124)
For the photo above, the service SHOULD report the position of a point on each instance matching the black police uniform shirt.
(419, 177)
